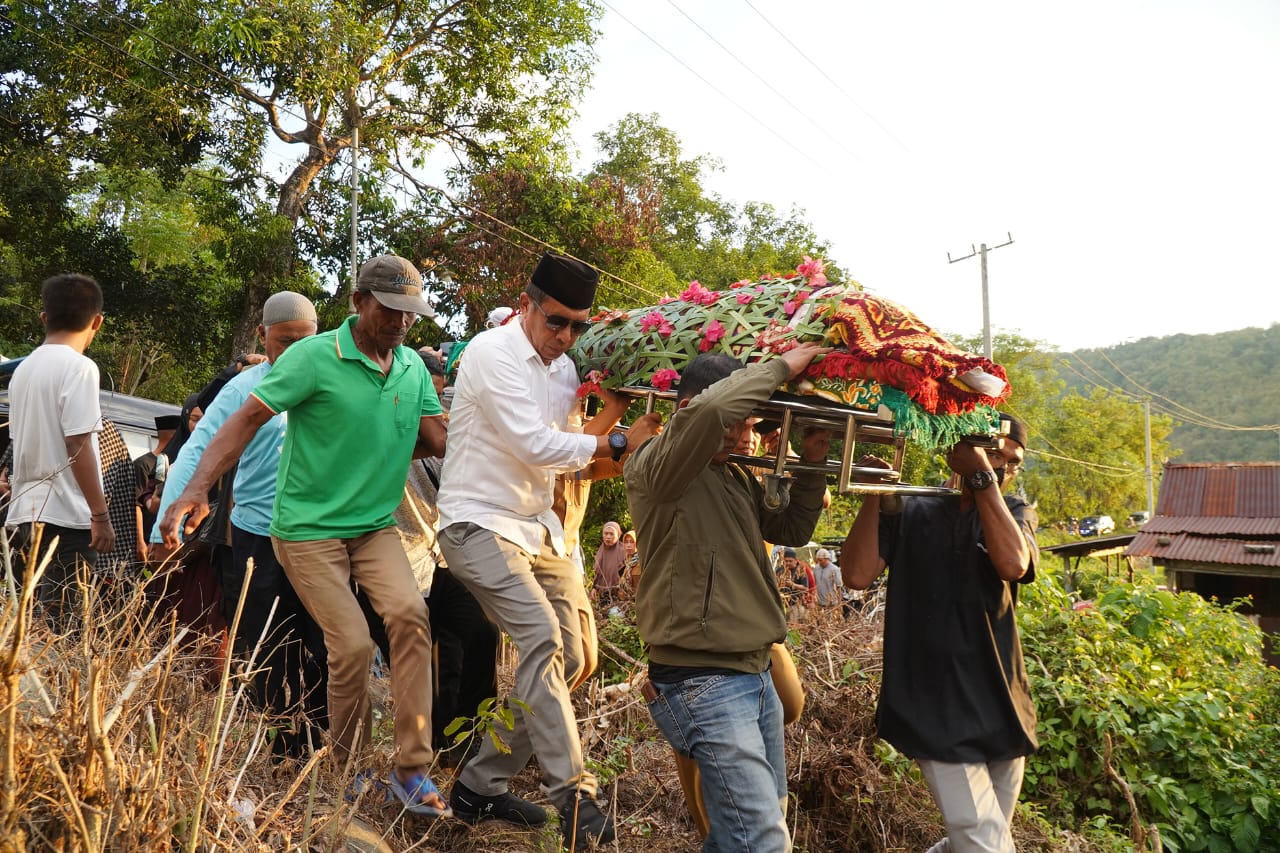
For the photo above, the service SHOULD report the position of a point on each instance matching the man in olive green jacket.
(708, 605)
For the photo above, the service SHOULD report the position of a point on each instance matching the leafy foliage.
(146, 83)
(1164, 692)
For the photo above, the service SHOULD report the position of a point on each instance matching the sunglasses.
(557, 322)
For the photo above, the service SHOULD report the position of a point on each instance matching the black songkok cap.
(168, 421)
(569, 282)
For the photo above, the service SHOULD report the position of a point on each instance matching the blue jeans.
(731, 725)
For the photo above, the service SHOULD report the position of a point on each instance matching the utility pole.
(1151, 494)
(355, 197)
(981, 252)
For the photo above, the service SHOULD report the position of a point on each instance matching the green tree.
(478, 76)
(491, 241)
(697, 234)
(225, 80)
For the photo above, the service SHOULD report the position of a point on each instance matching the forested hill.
(1209, 384)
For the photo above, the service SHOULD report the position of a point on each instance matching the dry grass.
(112, 740)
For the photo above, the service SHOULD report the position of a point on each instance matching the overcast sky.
(1131, 147)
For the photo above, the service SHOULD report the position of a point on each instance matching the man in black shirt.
(954, 695)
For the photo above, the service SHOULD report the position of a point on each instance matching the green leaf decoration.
(757, 320)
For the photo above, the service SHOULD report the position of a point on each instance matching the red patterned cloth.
(883, 341)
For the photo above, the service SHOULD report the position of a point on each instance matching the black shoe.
(584, 825)
(473, 807)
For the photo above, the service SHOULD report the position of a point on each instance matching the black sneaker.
(584, 825)
(473, 807)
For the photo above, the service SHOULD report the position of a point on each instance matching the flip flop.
(411, 793)
(365, 784)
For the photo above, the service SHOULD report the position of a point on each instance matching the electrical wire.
(786, 100)
(1206, 420)
(713, 86)
(805, 56)
(1111, 470)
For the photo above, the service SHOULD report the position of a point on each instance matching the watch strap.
(979, 480)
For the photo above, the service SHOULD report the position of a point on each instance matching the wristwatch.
(979, 480)
(618, 444)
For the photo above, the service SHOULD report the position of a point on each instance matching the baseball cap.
(395, 283)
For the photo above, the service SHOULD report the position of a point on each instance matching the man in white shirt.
(55, 418)
(508, 438)
(826, 576)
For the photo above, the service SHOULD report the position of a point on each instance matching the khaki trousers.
(541, 603)
(321, 572)
(977, 803)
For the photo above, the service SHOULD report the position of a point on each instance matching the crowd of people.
(343, 499)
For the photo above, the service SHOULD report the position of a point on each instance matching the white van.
(135, 417)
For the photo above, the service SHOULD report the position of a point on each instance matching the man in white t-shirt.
(55, 418)
(826, 575)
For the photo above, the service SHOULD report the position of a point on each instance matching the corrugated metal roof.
(1100, 546)
(1214, 526)
(1199, 549)
(1244, 490)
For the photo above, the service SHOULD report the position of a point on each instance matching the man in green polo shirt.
(360, 406)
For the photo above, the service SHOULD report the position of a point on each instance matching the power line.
(1170, 408)
(1097, 466)
(805, 56)
(1217, 424)
(822, 128)
(712, 86)
(459, 202)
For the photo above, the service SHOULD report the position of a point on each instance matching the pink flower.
(743, 283)
(699, 295)
(814, 270)
(711, 333)
(651, 321)
(797, 299)
(665, 329)
(665, 299)
(745, 298)
(592, 383)
(664, 379)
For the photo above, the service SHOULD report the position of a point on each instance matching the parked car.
(1137, 519)
(133, 416)
(1097, 525)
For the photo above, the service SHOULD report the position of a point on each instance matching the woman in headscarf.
(610, 560)
(192, 412)
(632, 570)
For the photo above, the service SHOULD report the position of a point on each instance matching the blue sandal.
(413, 791)
(365, 784)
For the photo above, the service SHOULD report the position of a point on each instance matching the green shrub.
(1173, 689)
(619, 634)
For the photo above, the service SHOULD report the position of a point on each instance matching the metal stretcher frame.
(853, 425)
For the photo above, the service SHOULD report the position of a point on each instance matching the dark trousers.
(58, 592)
(466, 647)
(188, 590)
(290, 664)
